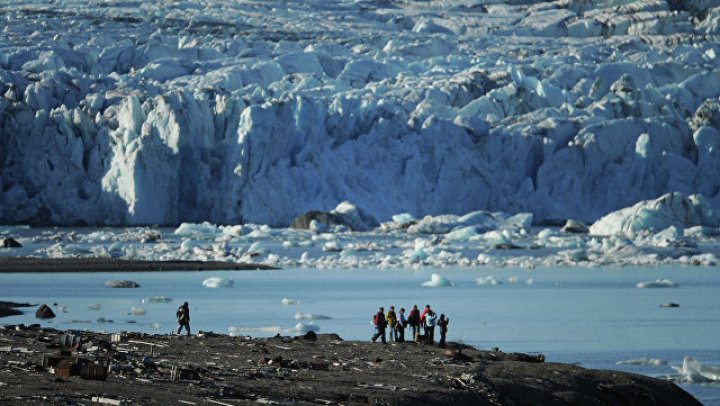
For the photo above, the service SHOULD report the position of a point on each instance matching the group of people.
(422, 324)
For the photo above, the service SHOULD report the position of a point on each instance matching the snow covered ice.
(255, 112)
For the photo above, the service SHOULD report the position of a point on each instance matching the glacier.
(160, 113)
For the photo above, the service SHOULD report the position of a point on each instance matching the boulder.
(121, 284)
(575, 227)
(9, 243)
(44, 312)
(303, 221)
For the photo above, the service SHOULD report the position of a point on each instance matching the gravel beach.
(213, 369)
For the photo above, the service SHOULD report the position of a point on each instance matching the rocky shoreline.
(312, 369)
(95, 264)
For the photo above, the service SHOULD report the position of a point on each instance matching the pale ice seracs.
(519, 109)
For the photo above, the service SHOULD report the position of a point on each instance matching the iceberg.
(289, 302)
(653, 216)
(437, 281)
(217, 282)
(658, 283)
(157, 299)
(311, 316)
(643, 361)
(302, 328)
(694, 371)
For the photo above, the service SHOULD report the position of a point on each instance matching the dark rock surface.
(218, 369)
(44, 312)
(303, 221)
(10, 308)
(575, 227)
(18, 264)
(9, 243)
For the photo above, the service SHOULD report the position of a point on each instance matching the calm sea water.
(592, 316)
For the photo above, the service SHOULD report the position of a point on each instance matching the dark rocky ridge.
(219, 369)
(26, 264)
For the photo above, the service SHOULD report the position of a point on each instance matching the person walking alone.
(183, 318)
(442, 323)
(380, 325)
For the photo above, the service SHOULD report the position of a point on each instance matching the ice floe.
(658, 283)
(437, 281)
(217, 282)
(693, 370)
(643, 361)
(311, 316)
(289, 302)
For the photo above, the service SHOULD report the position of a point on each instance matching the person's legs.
(376, 335)
(382, 334)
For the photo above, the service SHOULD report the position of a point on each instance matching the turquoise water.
(592, 316)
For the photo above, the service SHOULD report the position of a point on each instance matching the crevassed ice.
(193, 111)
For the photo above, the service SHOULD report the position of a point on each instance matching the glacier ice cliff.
(135, 113)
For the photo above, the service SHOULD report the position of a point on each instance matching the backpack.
(375, 319)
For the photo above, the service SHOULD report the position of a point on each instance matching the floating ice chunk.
(256, 248)
(512, 279)
(577, 255)
(290, 302)
(303, 328)
(217, 282)
(157, 299)
(137, 311)
(643, 361)
(694, 371)
(488, 280)
(530, 281)
(658, 283)
(121, 284)
(461, 234)
(197, 230)
(437, 281)
(311, 316)
(406, 218)
(672, 209)
(156, 325)
(94, 306)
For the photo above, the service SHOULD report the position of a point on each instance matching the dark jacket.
(183, 314)
(442, 323)
(380, 321)
(414, 317)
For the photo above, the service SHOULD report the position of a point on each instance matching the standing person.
(380, 325)
(183, 317)
(430, 319)
(424, 313)
(401, 323)
(391, 319)
(414, 321)
(442, 323)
